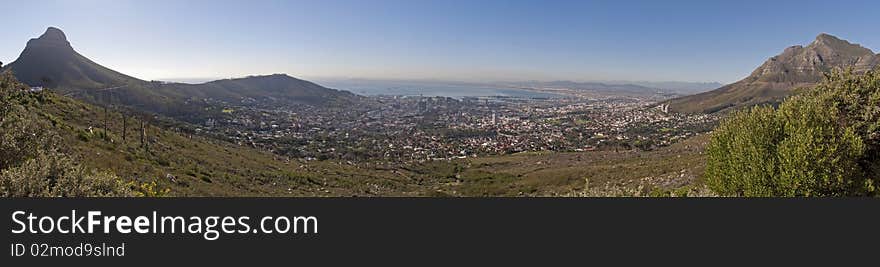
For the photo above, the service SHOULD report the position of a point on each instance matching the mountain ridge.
(796, 67)
(50, 61)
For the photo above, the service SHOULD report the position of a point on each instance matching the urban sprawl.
(417, 128)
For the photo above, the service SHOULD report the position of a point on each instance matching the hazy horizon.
(464, 41)
(197, 80)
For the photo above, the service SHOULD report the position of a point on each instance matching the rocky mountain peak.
(53, 33)
(806, 64)
(52, 37)
(796, 67)
(827, 39)
(830, 43)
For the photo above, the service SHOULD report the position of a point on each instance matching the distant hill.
(628, 87)
(50, 61)
(277, 86)
(618, 88)
(796, 67)
(679, 87)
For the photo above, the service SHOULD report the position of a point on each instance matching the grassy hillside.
(196, 166)
(674, 168)
(744, 93)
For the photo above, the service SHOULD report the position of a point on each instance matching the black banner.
(416, 231)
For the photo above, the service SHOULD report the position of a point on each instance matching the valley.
(198, 164)
(276, 135)
(415, 129)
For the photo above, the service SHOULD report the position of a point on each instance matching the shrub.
(151, 189)
(820, 143)
(56, 175)
(32, 158)
(739, 153)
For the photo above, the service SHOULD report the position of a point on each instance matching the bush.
(151, 189)
(742, 154)
(23, 137)
(56, 175)
(819, 143)
(33, 162)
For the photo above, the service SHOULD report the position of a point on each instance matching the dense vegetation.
(822, 142)
(33, 160)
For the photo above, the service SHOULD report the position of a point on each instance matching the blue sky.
(474, 40)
